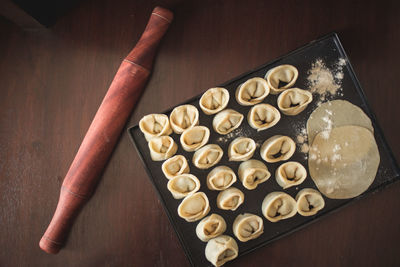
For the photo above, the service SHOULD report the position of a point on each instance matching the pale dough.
(334, 114)
(344, 165)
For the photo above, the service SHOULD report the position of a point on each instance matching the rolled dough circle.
(344, 165)
(336, 113)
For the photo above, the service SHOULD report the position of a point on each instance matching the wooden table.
(52, 82)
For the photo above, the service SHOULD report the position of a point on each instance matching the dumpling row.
(181, 118)
(215, 100)
(222, 248)
(278, 206)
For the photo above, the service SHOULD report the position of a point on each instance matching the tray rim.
(321, 215)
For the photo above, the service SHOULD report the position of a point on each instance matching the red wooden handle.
(105, 130)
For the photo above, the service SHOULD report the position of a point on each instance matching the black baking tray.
(330, 50)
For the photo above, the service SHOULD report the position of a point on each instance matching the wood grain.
(54, 80)
(104, 131)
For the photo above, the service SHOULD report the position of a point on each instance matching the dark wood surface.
(104, 131)
(53, 80)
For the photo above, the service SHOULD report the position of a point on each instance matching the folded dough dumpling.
(207, 156)
(290, 174)
(248, 226)
(278, 206)
(214, 100)
(162, 148)
(175, 166)
(183, 185)
(221, 249)
(211, 226)
(277, 148)
(293, 101)
(252, 92)
(194, 138)
(230, 199)
(154, 125)
(263, 116)
(194, 207)
(241, 148)
(220, 178)
(226, 121)
(252, 173)
(183, 117)
(281, 78)
(309, 202)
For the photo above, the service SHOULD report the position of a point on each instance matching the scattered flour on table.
(328, 122)
(304, 148)
(232, 135)
(301, 137)
(325, 82)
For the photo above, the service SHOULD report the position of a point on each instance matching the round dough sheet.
(333, 114)
(344, 165)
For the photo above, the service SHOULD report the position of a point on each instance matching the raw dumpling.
(309, 202)
(281, 78)
(220, 178)
(290, 174)
(210, 227)
(241, 148)
(277, 148)
(248, 226)
(183, 185)
(175, 166)
(293, 101)
(154, 125)
(194, 207)
(194, 138)
(343, 162)
(183, 117)
(214, 100)
(207, 156)
(252, 173)
(162, 148)
(251, 92)
(221, 249)
(278, 206)
(263, 116)
(230, 199)
(226, 121)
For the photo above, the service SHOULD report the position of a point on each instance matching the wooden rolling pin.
(105, 130)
